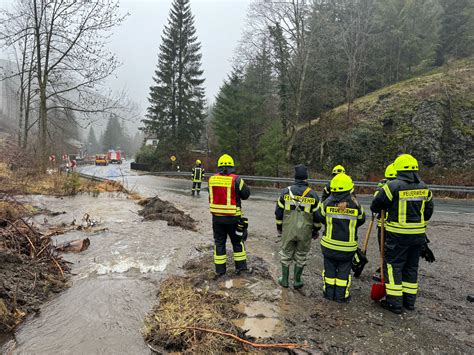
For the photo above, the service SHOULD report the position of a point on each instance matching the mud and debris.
(74, 246)
(182, 306)
(158, 209)
(267, 313)
(235, 305)
(31, 270)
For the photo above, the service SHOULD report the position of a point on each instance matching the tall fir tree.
(113, 136)
(92, 143)
(176, 112)
(457, 31)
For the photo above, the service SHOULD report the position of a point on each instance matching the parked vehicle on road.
(101, 159)
(114, 156)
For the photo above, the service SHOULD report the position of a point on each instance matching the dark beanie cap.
(301, 172)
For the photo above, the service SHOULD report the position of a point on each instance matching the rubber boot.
(285, 274)
(297, 282)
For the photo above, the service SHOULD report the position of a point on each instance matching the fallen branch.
(59, 267)
(255, 345)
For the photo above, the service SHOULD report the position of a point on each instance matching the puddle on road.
(261, 319)
(260, 327)
(235, 283)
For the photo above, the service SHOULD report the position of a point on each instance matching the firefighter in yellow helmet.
(408, 203)
(197, 175)
(226, 191)
(327, 188)
(342, 215)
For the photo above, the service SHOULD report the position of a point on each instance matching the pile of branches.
(21, 238)
(182, 306)
(31, 270)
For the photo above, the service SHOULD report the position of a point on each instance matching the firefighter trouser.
(401, 271)
(196, 186)
(295, 249)
(337, 278)
(221, 231)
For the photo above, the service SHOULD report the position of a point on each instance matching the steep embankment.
(430, 116)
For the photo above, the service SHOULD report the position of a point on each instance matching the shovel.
(378, 289)
(359, 266)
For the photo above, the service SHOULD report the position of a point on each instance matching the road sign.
(52, 158)
(172, 158)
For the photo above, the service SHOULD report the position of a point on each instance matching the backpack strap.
(298, 202)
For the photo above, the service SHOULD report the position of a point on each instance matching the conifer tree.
(176, 111)
(93, 145)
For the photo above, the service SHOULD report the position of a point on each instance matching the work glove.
(242, 229)
(426, 253)
(358, 262)
(382, 182)
(315, 234)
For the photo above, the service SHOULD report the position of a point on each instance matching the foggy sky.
(219, 25)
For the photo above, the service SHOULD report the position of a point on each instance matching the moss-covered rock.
(431, 117)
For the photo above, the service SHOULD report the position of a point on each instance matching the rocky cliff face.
(431, 117)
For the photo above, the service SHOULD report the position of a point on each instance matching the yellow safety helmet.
(338, 169)
(405, 162)
(225, 160)
(390, 172)
(198, 162)
(341, 182)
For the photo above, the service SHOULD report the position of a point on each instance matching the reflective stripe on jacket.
(223, 195)
(342, 214)
(409, 206)
(309, 202)
(197, 174)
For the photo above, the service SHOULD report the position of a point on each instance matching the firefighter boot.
(297, 282)
(285, 274)
(390, 307)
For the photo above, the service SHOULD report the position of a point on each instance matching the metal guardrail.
(445, 188)
(93, 177)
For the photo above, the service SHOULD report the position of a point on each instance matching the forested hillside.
(430, 116)
(383, 76)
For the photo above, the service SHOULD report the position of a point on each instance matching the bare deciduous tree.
(71, 60)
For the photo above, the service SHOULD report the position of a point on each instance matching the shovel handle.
(382, 244)
(367, 236)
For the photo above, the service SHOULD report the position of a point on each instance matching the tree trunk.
(27, 110)
(43, 127)
(299, 96)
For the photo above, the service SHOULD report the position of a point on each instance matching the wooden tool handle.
(367, 236)
(382, 244)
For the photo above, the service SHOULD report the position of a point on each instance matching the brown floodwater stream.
(114, 283)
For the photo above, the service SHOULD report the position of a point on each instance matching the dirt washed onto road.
(116, 280)
(442, 322)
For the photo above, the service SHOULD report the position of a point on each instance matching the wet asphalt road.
(151, 185)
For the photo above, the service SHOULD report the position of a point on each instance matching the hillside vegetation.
(430, 116)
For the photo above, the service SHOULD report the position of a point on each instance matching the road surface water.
(115, 281)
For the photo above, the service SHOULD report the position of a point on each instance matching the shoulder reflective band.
(387, 192)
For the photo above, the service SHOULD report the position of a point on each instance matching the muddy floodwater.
(114, 283)
(116, 279)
